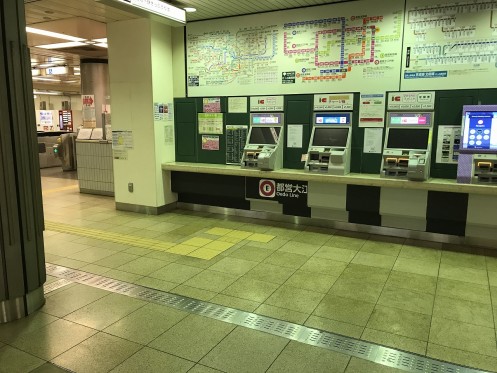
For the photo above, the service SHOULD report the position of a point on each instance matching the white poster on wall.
(372, 110)
(294, 135)
(449, 45)
(237, 104)
(372, 140)
(329, 48)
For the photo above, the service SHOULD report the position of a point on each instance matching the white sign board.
(267, 103)
(337, 101)
(411, 100)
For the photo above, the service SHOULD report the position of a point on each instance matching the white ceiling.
(87, 19)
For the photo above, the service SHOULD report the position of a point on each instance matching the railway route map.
(450, 45)
(329, 48)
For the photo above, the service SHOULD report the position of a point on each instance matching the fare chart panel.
(330, 48)
(451, 45)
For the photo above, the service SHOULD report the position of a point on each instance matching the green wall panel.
(298, 110)
(185, 129)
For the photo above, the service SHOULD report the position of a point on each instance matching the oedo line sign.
(287, 191)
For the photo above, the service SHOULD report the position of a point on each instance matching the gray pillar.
(95, 81)
(22, 259)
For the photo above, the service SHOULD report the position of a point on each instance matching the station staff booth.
(264, 147)
(329, 148)
(407, 149)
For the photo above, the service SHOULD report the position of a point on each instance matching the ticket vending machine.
(264, 146)
(329, 147)
(479, 138)
(407, 149)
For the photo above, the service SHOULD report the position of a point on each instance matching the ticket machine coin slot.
(403, 162)
(314, 156)
(485, 166)
(325, 158)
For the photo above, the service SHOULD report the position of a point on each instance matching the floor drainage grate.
(406, 361)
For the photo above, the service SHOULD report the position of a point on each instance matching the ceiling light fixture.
(33, 30)
(102, 45)
(103, 40)
(53, 93)
(190, 10)
(62, 45)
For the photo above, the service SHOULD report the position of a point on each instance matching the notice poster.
(46, 118)
(448, 142)
(236, 137)
(122, 138)
(237, 104)
(89, 114)
(161, 111)
(210, 142)
(294, 135)
(212, 105)
(210, 123)
(372, 140)
(372, 110)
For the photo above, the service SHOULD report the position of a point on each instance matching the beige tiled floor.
(424, 297)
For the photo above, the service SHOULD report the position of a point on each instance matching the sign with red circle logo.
(267, 188)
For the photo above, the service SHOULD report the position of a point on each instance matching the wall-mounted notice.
(123, 138)
(411, 100)
(89, 114)
(450, 45)
(210, 142)
(46, 118)
(328, 48)
(372, 140)
(237, 104)
(449, 139)
(294, 135)
(267, 103)
(236, 137)
(211, 104)
(210, 123)
(372, 110)
(120, 153)
(339, 101)
(169, 134)
(161, 111)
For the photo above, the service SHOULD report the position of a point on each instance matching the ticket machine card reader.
(329, 149)
(407, 150)
(263, 149)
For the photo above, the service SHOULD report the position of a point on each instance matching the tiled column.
(22, 260)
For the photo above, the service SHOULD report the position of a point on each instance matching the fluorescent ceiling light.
(61, 45)
(103, 45)
(46, 79)
(52, 34)
(103, 40)
(43, 65)
(190, 10)
(77, 68)
(54, 93)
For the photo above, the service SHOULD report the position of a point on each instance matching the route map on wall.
(451, 45)
(328, 48)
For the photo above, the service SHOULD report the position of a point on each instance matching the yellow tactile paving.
(198, 247)
(229, 239)
(218, 245)
(182, 249)
(197, 241)
(238, 234)
(217, 231)
(259, 237)
(204, 253)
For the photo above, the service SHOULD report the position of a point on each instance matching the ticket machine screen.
(480, 130)
(325, 136)
(408, 138)
(264, 135)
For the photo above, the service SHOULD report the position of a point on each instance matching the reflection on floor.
(428, 298)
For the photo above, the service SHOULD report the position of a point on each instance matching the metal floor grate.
(406, 361)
